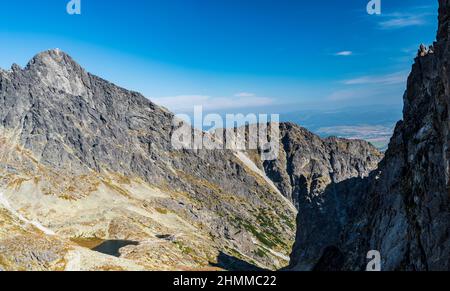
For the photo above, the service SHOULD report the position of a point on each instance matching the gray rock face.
(307, 164)
(403, 209)
(54, 103)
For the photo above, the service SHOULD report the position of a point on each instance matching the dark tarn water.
(112, 247)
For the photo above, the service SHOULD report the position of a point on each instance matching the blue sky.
(233, 55)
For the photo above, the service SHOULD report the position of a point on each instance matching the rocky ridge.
(92, 162)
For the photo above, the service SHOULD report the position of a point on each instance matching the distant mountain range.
(374, 123)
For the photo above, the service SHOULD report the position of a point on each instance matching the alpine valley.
(89, 180)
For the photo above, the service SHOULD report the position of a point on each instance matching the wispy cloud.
(186, 103)
(245, 94)
(415, 16)
(344, 54)
(402, 21)
(389, 79)
(364, 94)
(344, 95)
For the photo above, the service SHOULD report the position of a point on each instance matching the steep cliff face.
(410, 221)
(403, 208)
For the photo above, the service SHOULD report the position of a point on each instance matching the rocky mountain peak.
(50, 58)
(56, 69)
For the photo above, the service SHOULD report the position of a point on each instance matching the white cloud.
(359, 94)
(343, 95)
(186, 103)
(389, 79)
(374, 88)
(344, 54)
(245, 94)
(401, 20)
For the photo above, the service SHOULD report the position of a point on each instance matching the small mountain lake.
(107, 247)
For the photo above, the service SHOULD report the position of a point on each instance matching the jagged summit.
(54, 61)
(51, 59)
(55, 55)
(56, 52)
(56, 69)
